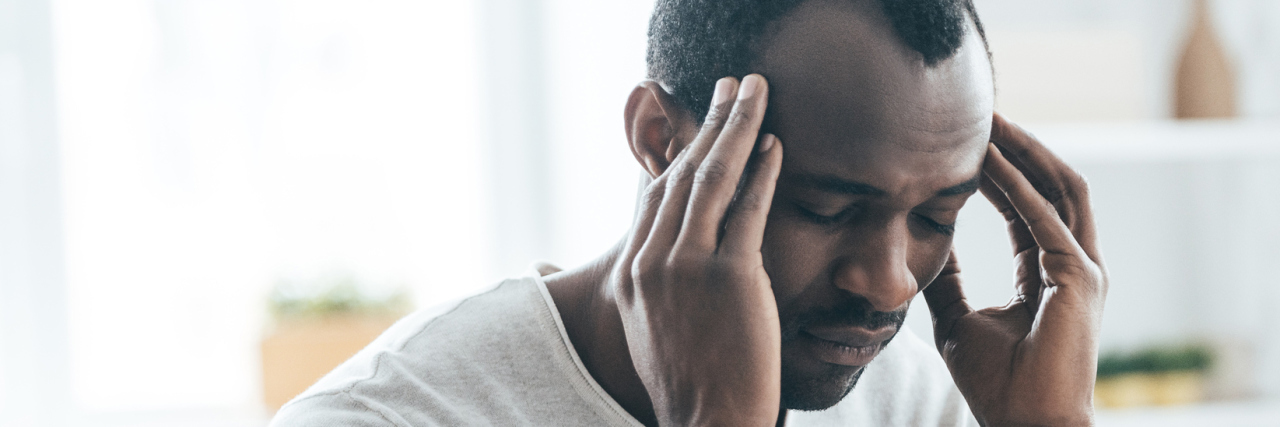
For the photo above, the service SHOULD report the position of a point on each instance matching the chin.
(816, 385)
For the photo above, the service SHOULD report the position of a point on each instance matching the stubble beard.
(818, 392)
(814, 391)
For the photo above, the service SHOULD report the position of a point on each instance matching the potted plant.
(1166, 375)
(316, 326)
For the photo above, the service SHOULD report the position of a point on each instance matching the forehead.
(848, 98)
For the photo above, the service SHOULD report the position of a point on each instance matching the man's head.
(884, 109)
(693, 43)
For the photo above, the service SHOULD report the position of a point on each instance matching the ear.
(657, 127)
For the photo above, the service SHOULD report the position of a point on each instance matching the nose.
(876, 268)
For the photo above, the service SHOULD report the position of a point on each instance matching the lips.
(846, 345)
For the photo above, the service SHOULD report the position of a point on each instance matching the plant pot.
(298, 352)
(1145, 389)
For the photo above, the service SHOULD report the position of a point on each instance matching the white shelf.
(1216, 414)
(1161, 141)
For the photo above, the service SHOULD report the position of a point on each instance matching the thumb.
(946, 300)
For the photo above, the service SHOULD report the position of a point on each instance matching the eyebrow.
(833, 184)
(967, 187)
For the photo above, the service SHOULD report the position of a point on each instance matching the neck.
(589, 309)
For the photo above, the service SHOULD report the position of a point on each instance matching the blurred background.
(173, 172)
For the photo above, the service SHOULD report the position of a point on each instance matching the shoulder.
(431, 339)
(333, 409)
(497, 358)
(455, 363)
(908, 384)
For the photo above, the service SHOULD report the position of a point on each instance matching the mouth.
(846, 345)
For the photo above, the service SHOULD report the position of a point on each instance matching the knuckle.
(1009, 212)
(1051, 208)
(750, 201)
(1053, 195)
(715, 118)
(682, 172)
(1073, 273)
(644, 263)
(1050, 188)
(653, 196)
(712, 170)
(684, 263)
(641, 273)
(1021, 151)
(624, 282)
(1077, 185)
(741, 114)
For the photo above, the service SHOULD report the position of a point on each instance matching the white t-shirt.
(502, 358)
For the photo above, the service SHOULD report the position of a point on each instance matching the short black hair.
(693, 43)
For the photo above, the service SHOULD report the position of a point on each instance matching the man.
(757, 288)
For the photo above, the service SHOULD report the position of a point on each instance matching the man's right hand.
(700, 318)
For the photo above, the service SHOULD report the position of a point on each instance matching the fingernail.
(767, 142)
(723, 87)
(748, 88)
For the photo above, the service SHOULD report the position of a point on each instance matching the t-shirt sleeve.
(331, 409)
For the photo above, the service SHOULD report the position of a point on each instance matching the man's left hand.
(1032, 361)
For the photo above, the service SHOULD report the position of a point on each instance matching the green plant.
(333, 296)
(1156, 359)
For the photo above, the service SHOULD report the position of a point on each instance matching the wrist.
(1071, 420)
(718, 409)
(728, 417)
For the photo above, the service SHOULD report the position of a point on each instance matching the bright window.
(211, 148)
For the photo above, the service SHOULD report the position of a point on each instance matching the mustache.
(854, 311)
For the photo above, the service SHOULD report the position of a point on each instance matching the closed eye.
(847, 213)
(940, 228)
(820, 219)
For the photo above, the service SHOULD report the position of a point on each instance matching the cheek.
(927, 260)
(794, 256)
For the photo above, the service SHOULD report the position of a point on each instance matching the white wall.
(33, 361)
(1115, 59)
(211, 149)
(595, 56)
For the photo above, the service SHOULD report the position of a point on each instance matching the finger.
(682, 172)
(718, 177)
(1041, 166)
(646, 213)
(946, 299)
(1027, 281)
(1026, 255)
(744, 230)
(1052, 177)
(1048, 230)
(1019, 235)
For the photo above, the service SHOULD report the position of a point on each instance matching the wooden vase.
(1205, 85)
